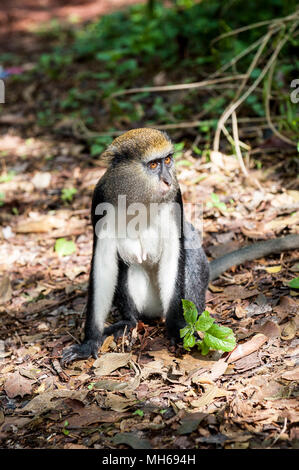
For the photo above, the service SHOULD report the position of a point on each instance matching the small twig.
(235, 59)
(88, 134)
(180, 86)
(235, 104)
(123, 340)
(281, 432)
(237, 145)
(232, 142)
(256, 25)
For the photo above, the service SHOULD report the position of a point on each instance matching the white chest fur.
(152, 257)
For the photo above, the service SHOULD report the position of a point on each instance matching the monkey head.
(141, 167)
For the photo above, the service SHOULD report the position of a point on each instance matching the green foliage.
(139, 413)
(213, 336)
(64, 247)
(67, 194)
(131, 47)
(99, 145)
(2, 198)
(294, 283)
(215, 202)
(6, 177)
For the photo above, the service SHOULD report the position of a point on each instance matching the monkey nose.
(165, 185)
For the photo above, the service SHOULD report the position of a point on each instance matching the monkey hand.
(80, 351)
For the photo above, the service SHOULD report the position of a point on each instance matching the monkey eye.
(167, 160)
(153, 165)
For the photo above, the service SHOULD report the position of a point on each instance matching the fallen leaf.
(270, 329)
(41, 180)
(93, 414)
(190, 422)
(211, 392)
(107, 343)
(42, 224)
(273, 269)
(50, 400)
(280, 223)
(153, 367)
(5, 290)
(17, 385)
(291, 374)
(238, 292)
(247, 348)
(289, 330)
(109, 362)
(131, 439)
(118, 403)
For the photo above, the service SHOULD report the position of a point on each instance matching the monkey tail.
(252, 252)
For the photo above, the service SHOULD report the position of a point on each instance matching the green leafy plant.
(64, 247)
(67, 194)
(6, 177)
(215, 202)
(2, 198)
(212, 336)
(294, 283)
(139, 413)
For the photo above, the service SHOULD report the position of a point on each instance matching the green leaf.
(204, 348)
(190, 311)
(225, 344)
(204, 322)
(220, 332)
(294, 283)
(189, 341)
(184, 331)
(67, 194)
(64, 247)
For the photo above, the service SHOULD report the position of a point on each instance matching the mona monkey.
(147, 272)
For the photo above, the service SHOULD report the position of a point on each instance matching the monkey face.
(161, 173)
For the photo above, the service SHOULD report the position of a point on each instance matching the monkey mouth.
(165, 187)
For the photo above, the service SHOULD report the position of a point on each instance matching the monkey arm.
(252, 252)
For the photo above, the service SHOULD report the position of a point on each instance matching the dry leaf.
(5, 290)
(247, 348)
(291, 374)
(41, 225)
(282, 222)
(93, 414)
(118, 403)
(289, 330)
(49, 400)
(110, 362)
(16, 385)
(239, 292)
(208, 396)
(273, 269)
(107, 343)
(131, 439)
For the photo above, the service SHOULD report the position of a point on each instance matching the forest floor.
(140, 392)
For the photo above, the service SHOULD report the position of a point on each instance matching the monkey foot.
(80, 351)
(118, 328)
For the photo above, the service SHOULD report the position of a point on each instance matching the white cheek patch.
(104, 280)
